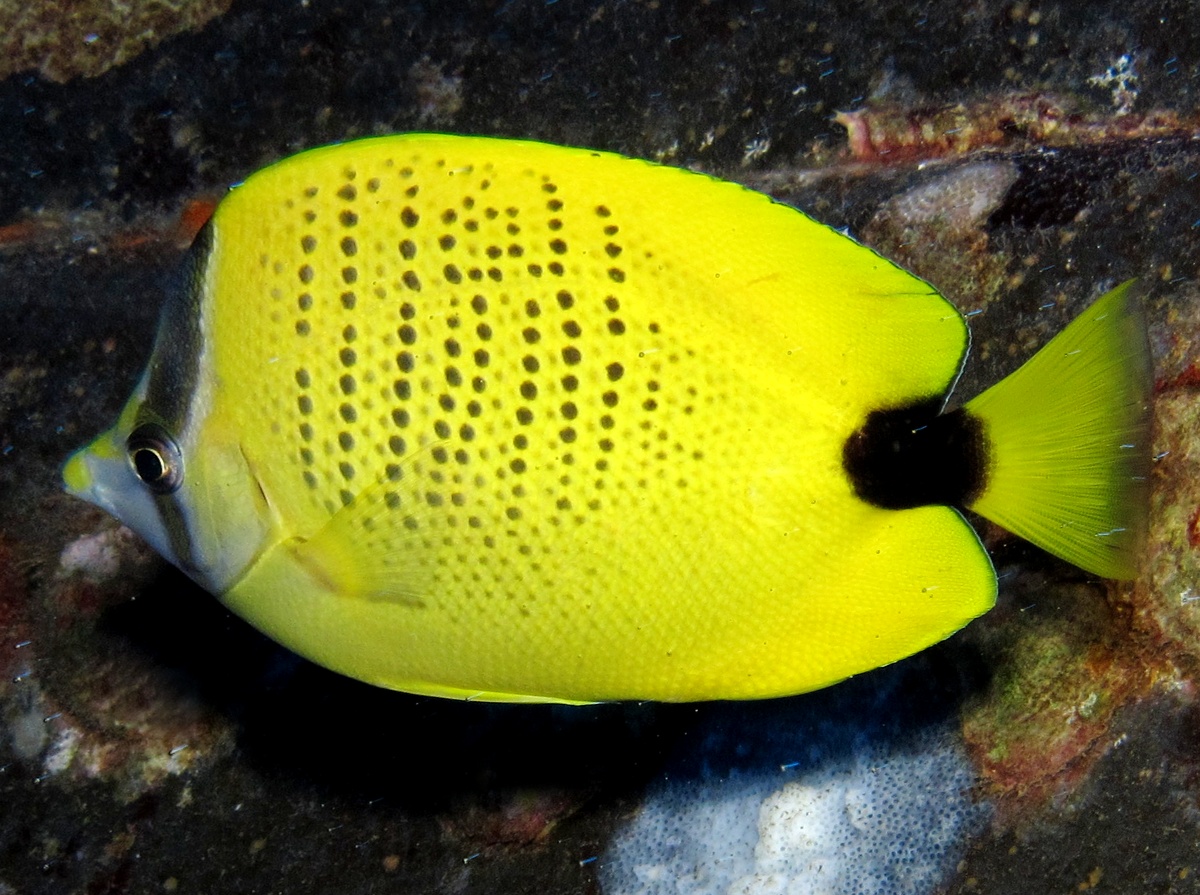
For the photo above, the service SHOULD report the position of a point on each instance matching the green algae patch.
(1061, 673)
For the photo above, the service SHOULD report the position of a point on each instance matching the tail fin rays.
(1069, 440)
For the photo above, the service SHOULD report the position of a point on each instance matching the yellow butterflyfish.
(496, 419)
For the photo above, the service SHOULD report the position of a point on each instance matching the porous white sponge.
(867, 815)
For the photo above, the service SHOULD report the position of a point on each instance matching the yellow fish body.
(502, 420)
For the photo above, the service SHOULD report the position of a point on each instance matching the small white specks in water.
(61, 752)
(1120, 79)
(669, 152)
(1088, 707)
(756, 149)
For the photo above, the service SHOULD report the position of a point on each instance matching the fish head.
(172, 467)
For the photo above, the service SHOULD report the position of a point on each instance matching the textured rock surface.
(86, 39)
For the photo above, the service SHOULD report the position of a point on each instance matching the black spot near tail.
(914, 456)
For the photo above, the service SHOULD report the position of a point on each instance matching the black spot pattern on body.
(506, 392)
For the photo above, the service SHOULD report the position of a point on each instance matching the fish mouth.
(77, 477)
(96, 472)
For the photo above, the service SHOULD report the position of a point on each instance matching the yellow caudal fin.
(1069, 440)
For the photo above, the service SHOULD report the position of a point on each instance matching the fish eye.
(155, 458)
